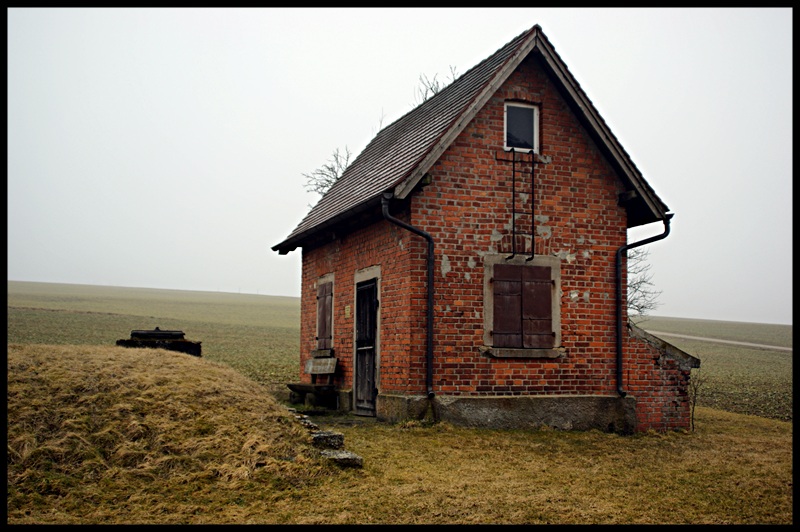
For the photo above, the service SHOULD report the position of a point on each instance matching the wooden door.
(366, 347)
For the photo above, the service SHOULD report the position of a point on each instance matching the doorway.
(366, 322)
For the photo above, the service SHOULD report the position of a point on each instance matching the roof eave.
(290, 244)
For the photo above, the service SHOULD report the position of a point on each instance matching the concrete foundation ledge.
(612, 414)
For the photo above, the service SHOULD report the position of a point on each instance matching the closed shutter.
(507, 283)
(537, 308)
(324, 315)
(523, 307)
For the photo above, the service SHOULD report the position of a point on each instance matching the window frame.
(535, 126)
(489, 349)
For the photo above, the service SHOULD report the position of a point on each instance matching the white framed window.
(521, 127)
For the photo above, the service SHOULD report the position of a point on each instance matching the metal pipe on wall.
(430, 264)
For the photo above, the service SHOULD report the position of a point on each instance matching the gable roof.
(401, 153)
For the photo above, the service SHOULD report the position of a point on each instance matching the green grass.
(155, 304)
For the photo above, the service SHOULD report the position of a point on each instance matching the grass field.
(259, 336)
(99, 434)
(256, 335)
(742, 379)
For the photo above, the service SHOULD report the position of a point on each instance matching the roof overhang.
(327, 230)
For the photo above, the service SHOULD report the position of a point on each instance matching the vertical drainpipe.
(429, 313)
(620, 251)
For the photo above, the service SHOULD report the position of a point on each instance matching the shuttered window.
(324, 316)
(523, 307)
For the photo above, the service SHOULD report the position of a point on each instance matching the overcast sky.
(165, 148)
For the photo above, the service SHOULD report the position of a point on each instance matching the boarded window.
(523, 307)
(324, 316)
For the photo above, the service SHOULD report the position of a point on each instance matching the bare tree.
(323, 178)
(642, 296)
(430, 86)
(696, 382)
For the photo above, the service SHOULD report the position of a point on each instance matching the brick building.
(470, 263)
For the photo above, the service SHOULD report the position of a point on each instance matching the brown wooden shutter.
(537, 308)
(523, 307)
(507, 286)
(324, 315)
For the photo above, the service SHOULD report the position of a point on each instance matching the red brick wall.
(467, 208)
(660, 386)
(401, 257)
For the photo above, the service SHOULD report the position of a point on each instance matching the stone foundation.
(611, 414)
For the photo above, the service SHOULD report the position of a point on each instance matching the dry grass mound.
(108, 435)
(114, 435)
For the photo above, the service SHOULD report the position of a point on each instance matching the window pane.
(519, 127)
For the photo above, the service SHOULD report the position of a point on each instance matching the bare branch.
(430, 86)
(427, 88)
(642, 297)
(323, 178)
(453, 73)
(696, 382)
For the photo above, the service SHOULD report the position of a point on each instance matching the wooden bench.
(316, 393)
